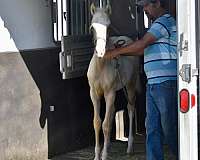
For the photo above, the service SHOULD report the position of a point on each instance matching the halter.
(119, 44)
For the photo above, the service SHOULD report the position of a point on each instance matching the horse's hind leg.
(107, 123)
(131, 108)
(96, 122)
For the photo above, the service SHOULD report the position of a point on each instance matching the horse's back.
(128, 65)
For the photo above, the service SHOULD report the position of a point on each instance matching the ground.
(117, 152)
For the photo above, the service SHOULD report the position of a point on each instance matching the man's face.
(150, 10)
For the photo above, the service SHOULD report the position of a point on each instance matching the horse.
(105, 77)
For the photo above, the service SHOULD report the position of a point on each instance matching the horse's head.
(100, 23)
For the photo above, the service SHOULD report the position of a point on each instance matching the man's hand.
(110, 54)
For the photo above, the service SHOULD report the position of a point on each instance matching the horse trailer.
(188, 77)
(45, 107)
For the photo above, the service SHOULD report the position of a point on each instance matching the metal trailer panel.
(70, 17)
(198, 64)
(187, 78)
(76, 53)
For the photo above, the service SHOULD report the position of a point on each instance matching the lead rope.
(119, 76)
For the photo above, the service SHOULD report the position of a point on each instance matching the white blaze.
(101, 31)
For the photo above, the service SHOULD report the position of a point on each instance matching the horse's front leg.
(96, 122)
(107, 123)
(131, 109)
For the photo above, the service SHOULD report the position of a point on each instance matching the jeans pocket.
(171, 84)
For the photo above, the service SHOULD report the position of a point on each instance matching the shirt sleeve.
(158, 30)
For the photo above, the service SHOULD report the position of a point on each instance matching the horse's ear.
(108, 9)
(92, 8)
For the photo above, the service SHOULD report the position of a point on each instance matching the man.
(159, 47)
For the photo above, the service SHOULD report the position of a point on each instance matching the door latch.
(185, 72)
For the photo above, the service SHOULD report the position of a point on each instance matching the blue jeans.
(161, 119)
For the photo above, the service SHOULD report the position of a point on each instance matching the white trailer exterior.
(188, 52)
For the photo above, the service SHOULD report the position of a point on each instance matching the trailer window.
(70, 17)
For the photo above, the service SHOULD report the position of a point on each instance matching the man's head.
(153, 8)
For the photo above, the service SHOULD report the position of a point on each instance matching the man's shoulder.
(166, 18)
(166, 21)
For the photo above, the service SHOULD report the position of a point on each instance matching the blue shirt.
(160, 57)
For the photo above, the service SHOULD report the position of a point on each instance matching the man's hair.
(162, 3)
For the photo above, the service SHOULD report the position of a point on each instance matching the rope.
(119, 76)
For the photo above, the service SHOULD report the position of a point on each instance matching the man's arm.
(134, 49)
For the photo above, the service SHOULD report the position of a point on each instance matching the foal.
(105, 78)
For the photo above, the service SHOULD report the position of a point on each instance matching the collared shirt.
(160, 57)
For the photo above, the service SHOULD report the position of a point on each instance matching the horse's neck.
(99, 62)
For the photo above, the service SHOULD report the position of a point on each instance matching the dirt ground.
(117, 152)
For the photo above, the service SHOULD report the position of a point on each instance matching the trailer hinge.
(195, 72)
(183, 45)
(185, 72)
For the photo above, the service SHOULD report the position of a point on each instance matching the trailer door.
(187, 78)
(71, 20)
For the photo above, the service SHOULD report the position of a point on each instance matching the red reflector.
(193, 101)
(184, 100)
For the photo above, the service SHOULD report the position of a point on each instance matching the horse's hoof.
(130, 151)
(97, 158)
(104, 156)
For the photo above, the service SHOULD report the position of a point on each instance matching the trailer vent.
(76, 53)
